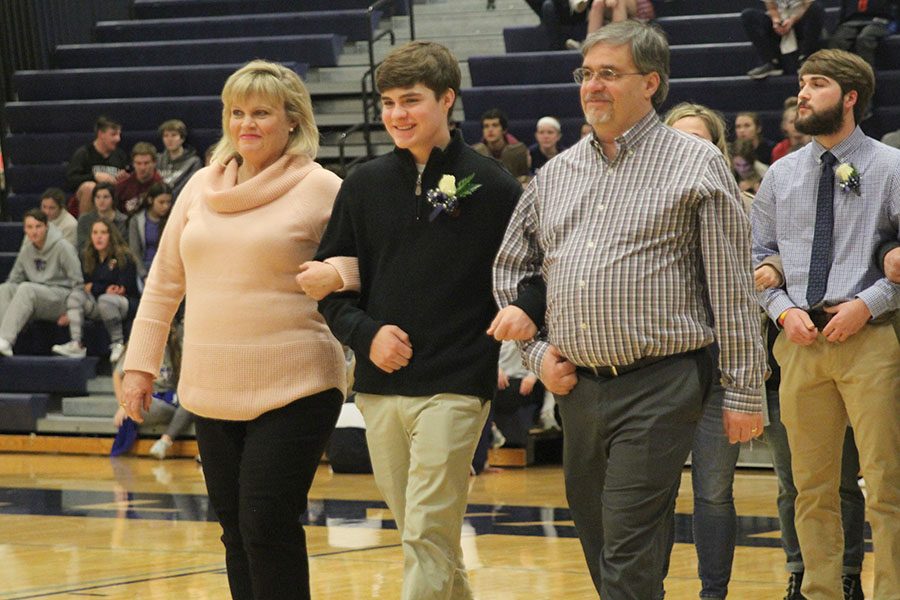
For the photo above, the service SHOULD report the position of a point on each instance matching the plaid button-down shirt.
(640, 255)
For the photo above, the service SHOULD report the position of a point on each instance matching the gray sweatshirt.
(55, 265)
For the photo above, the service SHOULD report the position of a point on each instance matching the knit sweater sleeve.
(163, 290)
(348, 321)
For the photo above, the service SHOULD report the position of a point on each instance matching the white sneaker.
(159, 448)
(573, 44)
(115, 352)
(71, 349)
(5, 348)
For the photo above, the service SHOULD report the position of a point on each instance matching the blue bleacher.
(7, 259)
(16, 207)
(317, 50)
(162, 9)
(28, 374)
(129, 82)
(706, 7)
(11, 235)
(35, 178)
(354, 24)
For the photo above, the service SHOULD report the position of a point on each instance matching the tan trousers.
(421, 449)
(822, 385)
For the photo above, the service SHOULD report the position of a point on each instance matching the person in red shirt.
(130, 188)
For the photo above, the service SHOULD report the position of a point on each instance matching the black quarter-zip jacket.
(432, 279)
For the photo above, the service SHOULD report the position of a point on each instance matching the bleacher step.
(96, 405)
(47, 374)
(62, 424)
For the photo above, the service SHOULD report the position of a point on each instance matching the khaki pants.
(822, 385)
(421, 449)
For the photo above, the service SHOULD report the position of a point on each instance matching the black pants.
(758, 26)
(258, 474)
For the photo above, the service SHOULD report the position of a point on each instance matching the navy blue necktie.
(820, 258)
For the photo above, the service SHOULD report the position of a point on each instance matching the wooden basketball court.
(95, 527)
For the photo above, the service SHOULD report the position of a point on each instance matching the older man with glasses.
(639, 233)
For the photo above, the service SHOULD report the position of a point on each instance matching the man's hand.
(512, 323)
(557, 373)
(116, 290)
(318, 279)
(799, 327)
(849, 317)
(391, 349)
(742, 427)
(502, 379)
(765, 277)
(527, 385)
(63, 320)
(136, 389)
(892, 265)
(101, 177)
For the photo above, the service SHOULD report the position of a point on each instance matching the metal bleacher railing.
(367, 84)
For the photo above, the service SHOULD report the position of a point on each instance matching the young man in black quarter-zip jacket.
(425, 241)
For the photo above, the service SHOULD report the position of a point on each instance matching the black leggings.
(258, 474)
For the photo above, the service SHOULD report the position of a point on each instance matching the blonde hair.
(277, 84)
(713, 120)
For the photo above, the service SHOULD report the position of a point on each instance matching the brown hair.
(35, 213)
(849, 71)
(55, 194)
(118, 249)
(142, 148)
(428, 63)
(103, 123)
(175, 125)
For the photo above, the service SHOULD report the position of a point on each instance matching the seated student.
(497, 142)
(744, 164)
(44, 273)
(98, 162)
(109, 292)
(861, 26)
(547, 135)
(146, 225)
(603, 12)
(164, 405)
(179, 161)
(784, 27)
(53, 204)
(793, 140)
(131, 188)
(747, 126)
(347, 449)
(518, 398)
(103, 199)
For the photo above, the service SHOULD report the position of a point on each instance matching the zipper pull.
(419, 185)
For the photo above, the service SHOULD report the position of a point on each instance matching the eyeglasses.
(583, 74)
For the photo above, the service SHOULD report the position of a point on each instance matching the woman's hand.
(318, 279)
(136, 389)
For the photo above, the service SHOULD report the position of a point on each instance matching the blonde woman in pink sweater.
(261, 369)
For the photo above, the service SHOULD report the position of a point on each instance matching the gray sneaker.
(764, 70)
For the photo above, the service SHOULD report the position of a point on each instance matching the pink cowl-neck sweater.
(252, 341)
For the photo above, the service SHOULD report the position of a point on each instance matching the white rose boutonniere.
(445, 197)
(848, 178)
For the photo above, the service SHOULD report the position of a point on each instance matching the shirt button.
(609, 171)
(590, 244)
(600, 207)
(584, 325)
(582, 283)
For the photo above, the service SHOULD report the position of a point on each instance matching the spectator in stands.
(130, 189)
(179, 161)
(602, 12)
(586, 130)
(784, 27)
(518, 399)
(266, 384)
(44, 273)
(146, 225)
(744, 164)
(862, 25)
(347, 450)
(101, 161)
(555, 14)
(498, 143)
(164, 406)
(793, 139)
(53, 204)
(104, 207)
(838, 351)
(547, 136)
(109, 293)
(747, 126)
(891, 139)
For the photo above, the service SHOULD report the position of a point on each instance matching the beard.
(827, 122)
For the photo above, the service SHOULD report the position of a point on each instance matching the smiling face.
(108, 139)
(416, 119)
(259, 129)
(35, 231)
(613, 107)
(100, 236)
